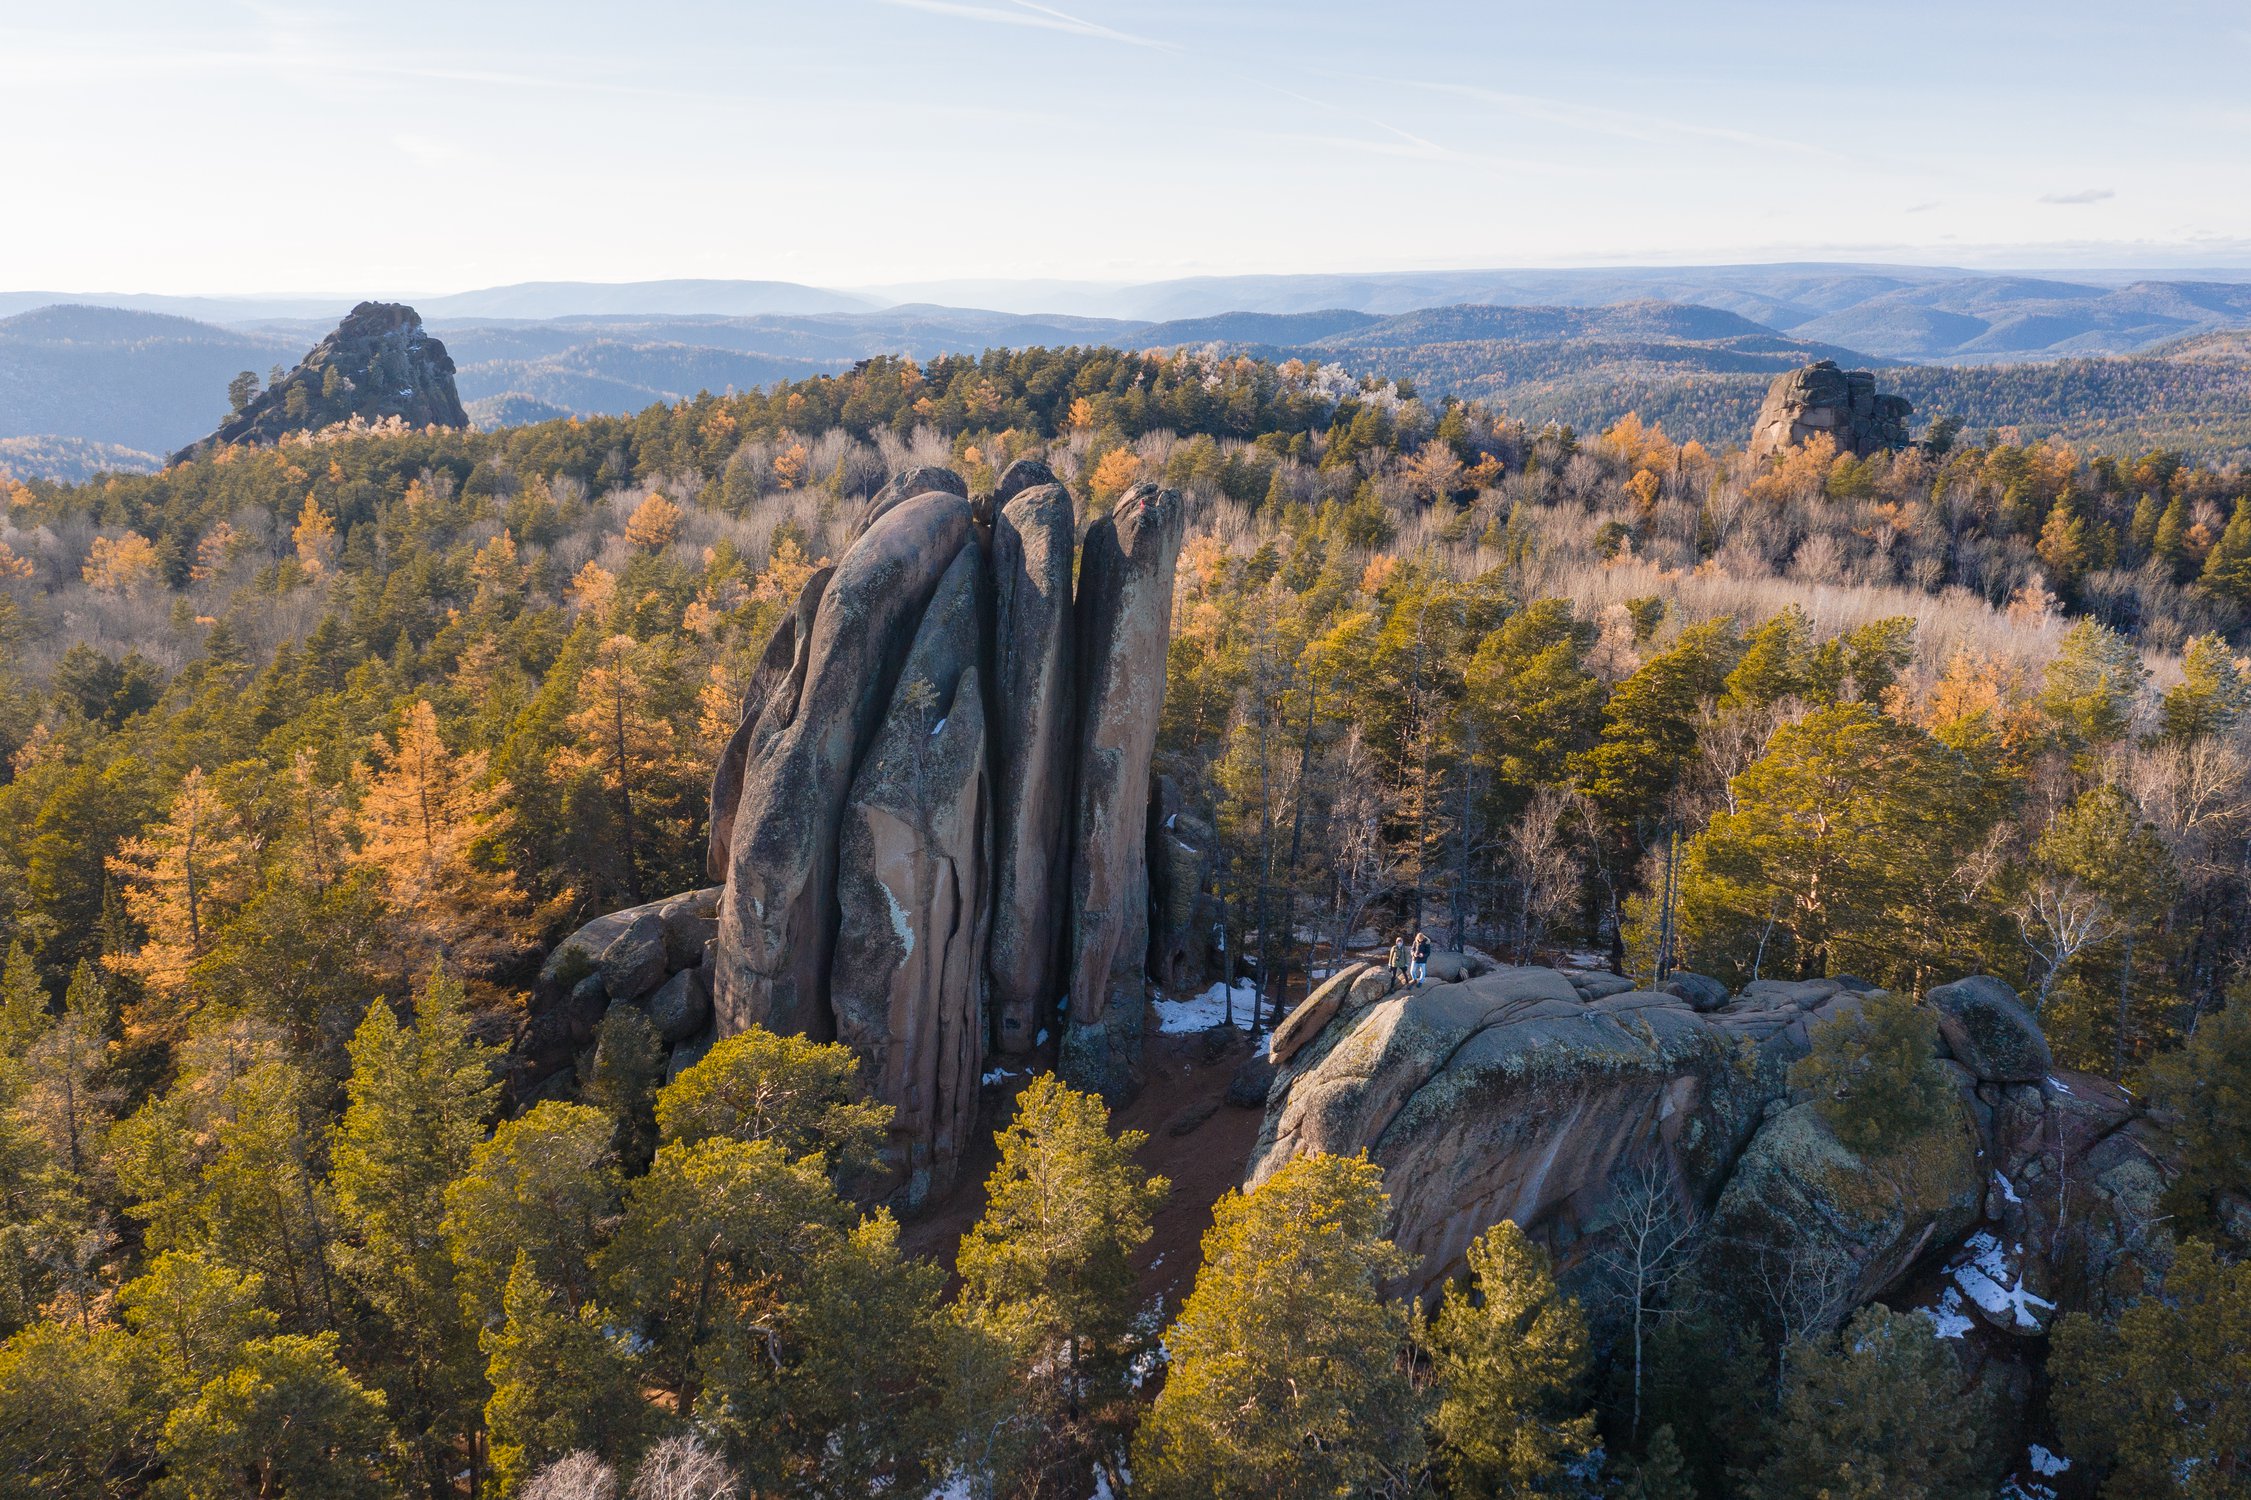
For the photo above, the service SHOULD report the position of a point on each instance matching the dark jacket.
(1422, 950)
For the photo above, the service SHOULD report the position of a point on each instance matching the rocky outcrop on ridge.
(1822, 398)
(931, 825)
(1549, 1098)
(379, 364)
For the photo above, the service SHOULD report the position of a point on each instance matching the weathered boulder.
(1990, 1031)
(1314, 1012)
(1823, 398)
(680, 1007)
(1449, 964)
(1032, 726)
(1700, 991)
(911, 887)
(378, 364)
(634, 963)
(1252, 1081)
(776, 919)
(1123, 623)
(1807, 1229)
(690, 922)
(1507, 1096)
(776, 679)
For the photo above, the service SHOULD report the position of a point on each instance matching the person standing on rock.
(1399, 960)
(1422, 956)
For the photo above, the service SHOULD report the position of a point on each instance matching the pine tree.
(2213, 695)
(1877, 1416)
(559, 1382)
(67, 1413)
(427, 823)
(1510, 1354)
(2203, 1090)
(539, 1193)
(1872, 1075)
(1048, 1270)
(1288, 1368)
(2227, 567)
(2088, 689)
(629, 745)
(192, 1315)
(2163, 1397)
(802, 1095)
(23, 1003)
(417, 1099)
(1662, 1473)
(287, 1419)
(2169, 544)
(717, 1240)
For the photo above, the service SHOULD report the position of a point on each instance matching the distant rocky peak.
(379, 365)
(1820, 398)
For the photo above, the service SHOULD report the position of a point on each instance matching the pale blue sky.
(420, 147)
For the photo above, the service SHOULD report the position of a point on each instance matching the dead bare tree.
(1367, 868)
(1651, 1233)
(2059, 919)
(1541, 865)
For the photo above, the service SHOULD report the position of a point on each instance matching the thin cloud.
(1623, 124)
(1025, 13)
(1923, 208)
(2084, 195)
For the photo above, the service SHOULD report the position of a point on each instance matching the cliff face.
(1822, 398)
(378, 364)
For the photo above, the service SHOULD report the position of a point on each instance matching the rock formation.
(907, 978)
(932, 822)
(1124, 623)
(377, 365)
(1547, 1098)
(1034, 698)
(1822, 398)
(777, 919)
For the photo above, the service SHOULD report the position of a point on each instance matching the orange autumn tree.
(179, 881)
(426, 822)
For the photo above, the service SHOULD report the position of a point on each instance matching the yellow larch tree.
(593, 590)
(315, 536)
(1119, 468)
(654, 524)
(120, 565)
(426, 821)
(179, 881)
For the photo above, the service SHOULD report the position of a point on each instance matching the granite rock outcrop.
(931, 825)
(1821, 398)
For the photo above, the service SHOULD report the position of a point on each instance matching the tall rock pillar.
(1034, 751)
(1124, 622)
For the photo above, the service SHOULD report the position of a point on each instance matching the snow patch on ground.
(1947, 1319)
(2046, 1464)
(2008, 1189)
(1986, 1277)
(1203, 1012)
(997, 1075)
